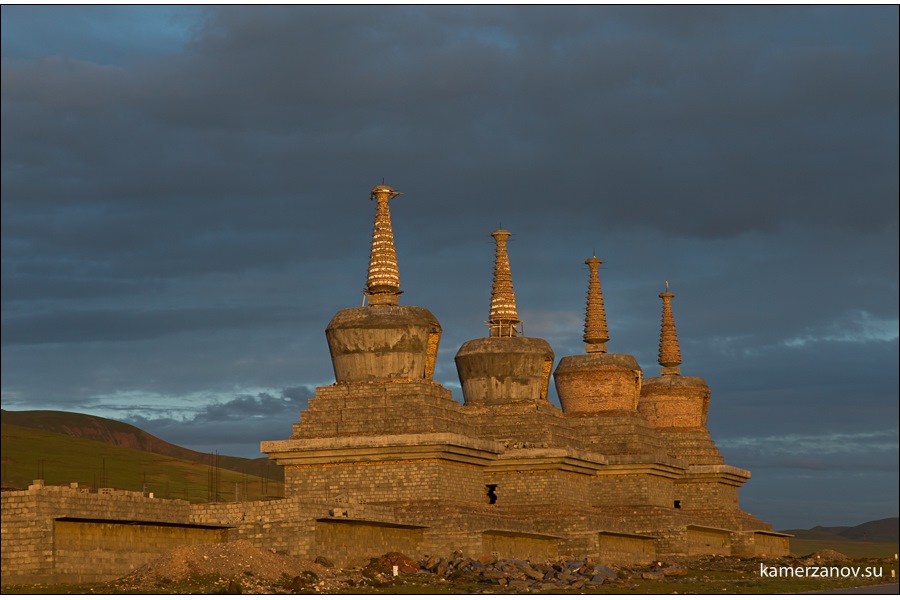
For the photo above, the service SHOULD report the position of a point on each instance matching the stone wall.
(701, 541)
(65, 534)
(637, 489)
(399, 465)
(386, 481)
(521, 425)
(694, 496)
(95, 551)
(380, 408)
(695, 447)
(617, 433)
(540, 487)
(619, 549)
(760, 543)
(283, 525)
(26, 548)
(527, 547)
(348, 542)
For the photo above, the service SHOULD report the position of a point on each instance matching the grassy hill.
(128, 436)
(29, 453)
(871, 539)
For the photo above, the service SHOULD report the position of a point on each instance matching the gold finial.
(504, 319)
(383, 282)
(596, 333)
(669, 352)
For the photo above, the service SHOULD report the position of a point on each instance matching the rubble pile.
(522, 575)
(239, 567)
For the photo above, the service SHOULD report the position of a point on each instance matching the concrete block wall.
(26, 547)
(122, 505)
(40, 542)
(284, 525)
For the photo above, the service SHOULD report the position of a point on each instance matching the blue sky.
(185, 206)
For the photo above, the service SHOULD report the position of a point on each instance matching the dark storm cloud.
(233, 427)
(115, 325)
(102, 34)
(803, 480)
(185, 200)
(739, 136)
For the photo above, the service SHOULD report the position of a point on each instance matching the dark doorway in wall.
(491, 493)
(678, 504)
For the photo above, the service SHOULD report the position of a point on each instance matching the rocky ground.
(239, 567)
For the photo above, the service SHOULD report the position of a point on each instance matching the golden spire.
(383, 283)
(669, 352)
(596, 333)
(504, 318)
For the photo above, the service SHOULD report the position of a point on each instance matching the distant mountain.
(882, 530)
(128, 436)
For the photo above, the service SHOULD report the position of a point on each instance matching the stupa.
(505, 367)
(385, 459)
(383, 341)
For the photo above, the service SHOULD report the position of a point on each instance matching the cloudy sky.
(185, 206)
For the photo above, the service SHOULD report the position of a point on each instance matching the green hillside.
(118, 433)
(29, 454)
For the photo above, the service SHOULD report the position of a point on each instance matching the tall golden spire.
(383, 282)
(669, 352)
(596, 333)
(504, 318)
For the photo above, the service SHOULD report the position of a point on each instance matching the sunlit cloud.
(145, 404)
(859, 327)
(826, 443)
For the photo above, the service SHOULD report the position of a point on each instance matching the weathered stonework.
(385, 459)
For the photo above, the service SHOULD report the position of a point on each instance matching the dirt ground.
(240, 568)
